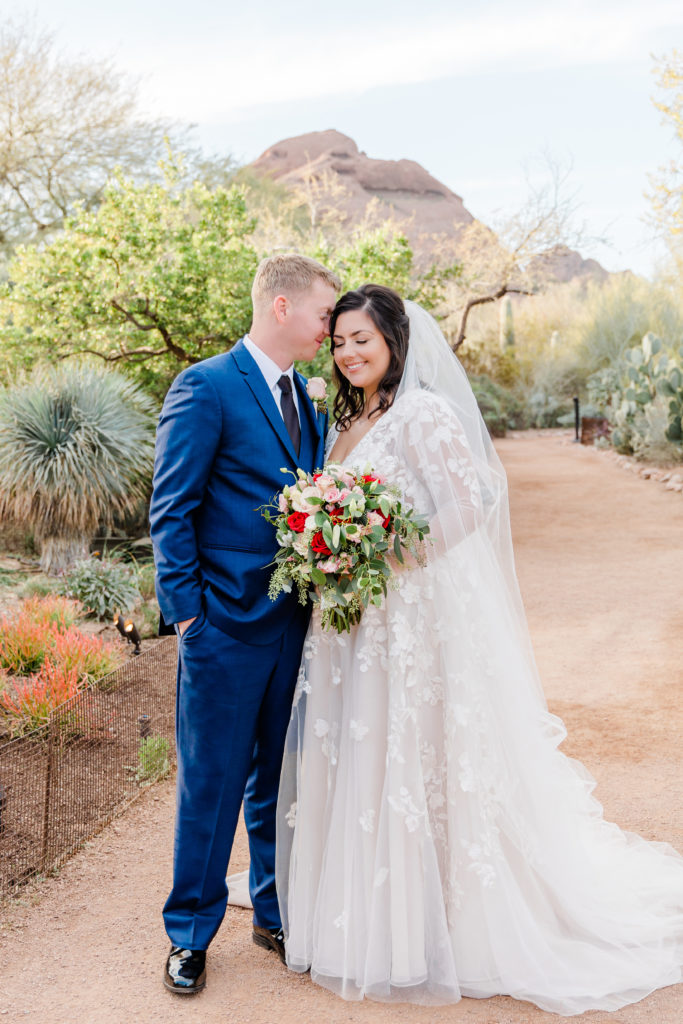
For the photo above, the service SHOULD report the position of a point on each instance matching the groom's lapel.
(310, 416)
(307, 409)
(263, 396)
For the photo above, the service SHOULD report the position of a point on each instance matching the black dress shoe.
(270, 938)
(185, 971)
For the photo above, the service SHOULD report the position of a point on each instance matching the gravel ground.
(600, 566)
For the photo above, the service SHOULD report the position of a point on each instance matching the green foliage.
(507, 324)
(153, 760)
(642, 396)
(39, 587)
(498, 405)
(616, 315)
(382, 256)
(103, 586)
(667, 194)
(76, 446)
(145, 576)
(158, 277)
(146, 613)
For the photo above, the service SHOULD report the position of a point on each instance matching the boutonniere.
(316, 389)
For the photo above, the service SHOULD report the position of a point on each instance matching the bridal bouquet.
(336, 531)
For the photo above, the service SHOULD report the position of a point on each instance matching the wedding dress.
(433, 842)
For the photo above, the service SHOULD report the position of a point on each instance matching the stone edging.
(671, 478)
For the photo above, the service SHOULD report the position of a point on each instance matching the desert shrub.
(76, 447)
(52, 609)
(103, 586)
(498, 405)
(24, 643)
(153, 762)
(39, 587)
(616, 315)
(31, 705)
(145, 576)
(90, 657)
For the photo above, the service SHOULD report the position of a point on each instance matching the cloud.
(316, 60)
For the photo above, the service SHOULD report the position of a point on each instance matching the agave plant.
(76, 444)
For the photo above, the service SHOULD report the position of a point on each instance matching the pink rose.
(331, 565)
(316, 389)
(323, 482)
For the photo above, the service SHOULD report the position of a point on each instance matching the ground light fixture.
(128, 631)
(133, 635)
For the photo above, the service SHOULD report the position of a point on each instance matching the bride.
(433, 842)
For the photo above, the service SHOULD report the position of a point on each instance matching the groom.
(227, 427)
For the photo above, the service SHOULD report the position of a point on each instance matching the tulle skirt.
(433, 842)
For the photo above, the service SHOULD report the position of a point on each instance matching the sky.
(476, 94)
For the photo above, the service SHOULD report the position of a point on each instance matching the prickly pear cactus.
(643, 398)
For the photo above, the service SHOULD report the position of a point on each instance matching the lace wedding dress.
(433, 842)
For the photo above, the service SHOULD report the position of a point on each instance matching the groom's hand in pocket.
(182, 626)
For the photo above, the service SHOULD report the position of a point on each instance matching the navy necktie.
(289, 413)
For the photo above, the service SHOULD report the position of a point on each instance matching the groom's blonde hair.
(287, 274)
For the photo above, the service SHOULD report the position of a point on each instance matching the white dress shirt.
(272, 373)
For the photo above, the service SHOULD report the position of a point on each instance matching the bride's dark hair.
(387, 312)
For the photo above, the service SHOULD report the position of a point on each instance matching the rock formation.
(403, 188)
(428, 211)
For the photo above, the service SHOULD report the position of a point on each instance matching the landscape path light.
(133, 635)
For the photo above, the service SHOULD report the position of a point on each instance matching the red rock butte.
(403, 187)
(426, 209)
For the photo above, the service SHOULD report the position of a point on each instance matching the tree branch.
(171, 346)
(504, 289)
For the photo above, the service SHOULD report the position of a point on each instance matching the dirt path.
(601, 569)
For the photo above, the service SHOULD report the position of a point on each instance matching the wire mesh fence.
(98, 751)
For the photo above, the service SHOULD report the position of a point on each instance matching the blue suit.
(221, 444)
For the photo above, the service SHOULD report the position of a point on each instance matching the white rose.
(300, 502)
(300, 545)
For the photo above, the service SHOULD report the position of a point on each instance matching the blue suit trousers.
(232, 713)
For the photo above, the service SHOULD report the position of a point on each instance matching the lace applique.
(405, 805)
(367, 820)
(328, 734)
(358, 730)
(302, 685)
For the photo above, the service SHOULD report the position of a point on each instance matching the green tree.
(158, 277)
(65, 125)
(76, 445)
(667, 194)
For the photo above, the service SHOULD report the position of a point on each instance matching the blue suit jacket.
(221, 444)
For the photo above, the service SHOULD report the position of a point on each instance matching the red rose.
(369, 479)
(316, 476)
(386, 522)
(337, 514)
(296, 522)
(318, 544)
